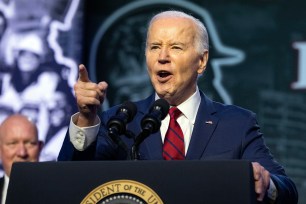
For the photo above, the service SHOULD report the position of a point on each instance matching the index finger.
(83, 74)
(256, 171)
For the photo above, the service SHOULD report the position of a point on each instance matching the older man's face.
(172, 59)
(18, 143)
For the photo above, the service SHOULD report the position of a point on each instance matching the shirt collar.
(4, 189)
(189, 108)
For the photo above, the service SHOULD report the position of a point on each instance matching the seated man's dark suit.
(220, 132)
(1, 186)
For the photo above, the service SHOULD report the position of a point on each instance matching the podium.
(131, 182)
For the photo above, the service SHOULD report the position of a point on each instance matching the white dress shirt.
(5, 187)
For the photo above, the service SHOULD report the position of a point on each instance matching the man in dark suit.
(18, 143)
(176, 54)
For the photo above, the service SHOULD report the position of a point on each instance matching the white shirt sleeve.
(272, 191)
(82, 137)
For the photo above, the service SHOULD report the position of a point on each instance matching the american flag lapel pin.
(209, 122)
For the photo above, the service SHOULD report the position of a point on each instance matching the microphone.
(117, 124)
(152, 121)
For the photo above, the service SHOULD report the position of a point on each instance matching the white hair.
(201, 38)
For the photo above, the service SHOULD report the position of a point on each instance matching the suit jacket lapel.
(154, 146)
(203, 129)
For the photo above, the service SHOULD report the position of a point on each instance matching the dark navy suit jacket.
(220, 132)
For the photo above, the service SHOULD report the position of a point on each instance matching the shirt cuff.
(83, 137)
(272, 191)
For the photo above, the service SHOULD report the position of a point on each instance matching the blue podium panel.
(129, 182)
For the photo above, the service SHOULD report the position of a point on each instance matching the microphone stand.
(141, 137)
(113, 134)
(134, 152)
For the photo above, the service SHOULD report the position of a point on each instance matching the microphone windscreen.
(163, 106)
(130, 108)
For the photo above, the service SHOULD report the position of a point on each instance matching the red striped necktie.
(173, 148)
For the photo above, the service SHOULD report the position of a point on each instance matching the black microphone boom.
(117, 124)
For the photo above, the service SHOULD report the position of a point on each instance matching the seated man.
(18, 143)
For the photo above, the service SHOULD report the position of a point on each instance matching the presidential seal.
(122, 192)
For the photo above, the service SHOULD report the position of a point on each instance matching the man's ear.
(203, 62)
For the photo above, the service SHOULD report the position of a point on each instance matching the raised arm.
(89, 97)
